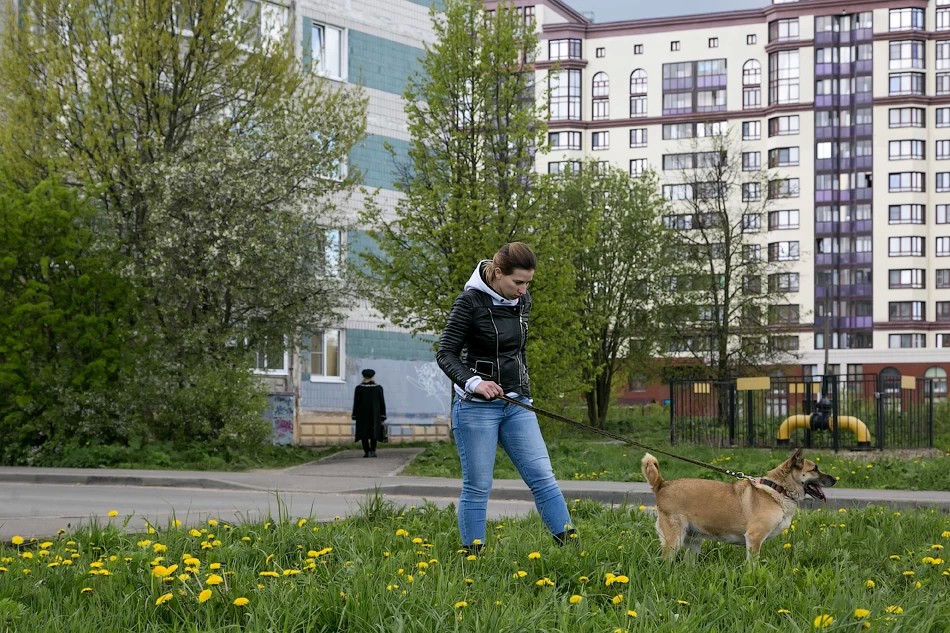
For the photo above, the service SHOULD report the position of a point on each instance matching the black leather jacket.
(488, 340)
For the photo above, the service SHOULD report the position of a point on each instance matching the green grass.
(397, 569)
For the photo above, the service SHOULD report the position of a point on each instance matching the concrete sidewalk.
(348, 473)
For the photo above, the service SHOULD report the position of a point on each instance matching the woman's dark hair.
(509, 257)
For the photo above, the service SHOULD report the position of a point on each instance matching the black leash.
(560, 418)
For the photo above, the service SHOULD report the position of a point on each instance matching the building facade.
(845, 103)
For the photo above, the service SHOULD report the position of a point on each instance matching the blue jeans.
(478, 428)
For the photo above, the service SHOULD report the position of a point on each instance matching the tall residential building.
(848, 101)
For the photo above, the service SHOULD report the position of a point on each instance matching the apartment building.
(847, 101)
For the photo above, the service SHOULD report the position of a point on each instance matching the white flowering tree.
(215, 159)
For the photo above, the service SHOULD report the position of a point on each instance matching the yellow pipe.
(847, 422)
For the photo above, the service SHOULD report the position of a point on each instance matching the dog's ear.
(796, 459)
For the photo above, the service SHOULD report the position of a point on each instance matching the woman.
(369, 412)
(482, 350)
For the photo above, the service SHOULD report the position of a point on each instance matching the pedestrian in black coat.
(369, 412)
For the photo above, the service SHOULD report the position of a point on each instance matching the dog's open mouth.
(814, 490)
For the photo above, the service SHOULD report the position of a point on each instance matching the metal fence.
(853, 412)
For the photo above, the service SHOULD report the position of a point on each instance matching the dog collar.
(774, 486)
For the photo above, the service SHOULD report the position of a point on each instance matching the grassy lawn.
(398, 569)
(581, 455)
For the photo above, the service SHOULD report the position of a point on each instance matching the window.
(943, 19)
(751, 252)
(907, 150)
(941, 217)
(905, 311)
(908, 83)
(638, 49)
(910, 117)
(942, 181)
(600, 140)
(906, 278)
(271, 358)
(906, 55)
(638, 137)
(784, 125)
(674, 45)
(564, 167)
(942, 84)
(565, 100)
(713, 42)
(564, 49)
(783, 30)
(783, 282)
(907, 246)
(906, 20)
(786, 314)
(265, 21)
(905, 214)
(750, 39)
(905, 181)
(942, 117)
(943, 247)
(751, 191)
(942, 311)
(895, 341)
(638, 91)
(783, 188)
(326, 355)
(783, 220)
(942, 278)
(783, 251)
(600, 90)
(783, 343)
(752, 130)
(783, 77)
(938, 381)
(327, 50)
(678, 192)
(564, 140)
(600, 52)
(942, 340)
(751, 222)
(638, 166)
(783, 157)
(751, 161)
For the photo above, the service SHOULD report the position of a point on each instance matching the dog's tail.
(650, 468)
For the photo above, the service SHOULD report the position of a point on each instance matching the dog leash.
(738, 474)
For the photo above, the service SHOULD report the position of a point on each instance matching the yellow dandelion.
(17, 540)
(631, 613)
(908, 573)
(158, 548)
(291, 572)
(301, 522)
(86, 590)
(240, 601)
(683, 602)
(894, 557)
(787, 546)
(204, 596)
(945, 534)
(144, 543)
(544, 582)
(894, 609)
(113, 513)
(519, 574)
(822, 621)
(622, 579)
(575, 599)
(869, 583)
(165, 597)
(471, 557)
(784, 612)
(214, 566)
(401, 532)
(417, 540)
(534, 555)
(269, 574)
(461, 604)
(861, 613)
(214, 579)
(422, 565)
(617, 599)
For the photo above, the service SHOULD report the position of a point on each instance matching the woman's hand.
(488, 389)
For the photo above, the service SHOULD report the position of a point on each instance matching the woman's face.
(514, 285)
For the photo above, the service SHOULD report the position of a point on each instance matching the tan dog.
(743, 511)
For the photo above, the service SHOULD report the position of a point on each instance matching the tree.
(722, 196)
(470, 187)
(212, 157)
(621, 275)
(64, 322)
